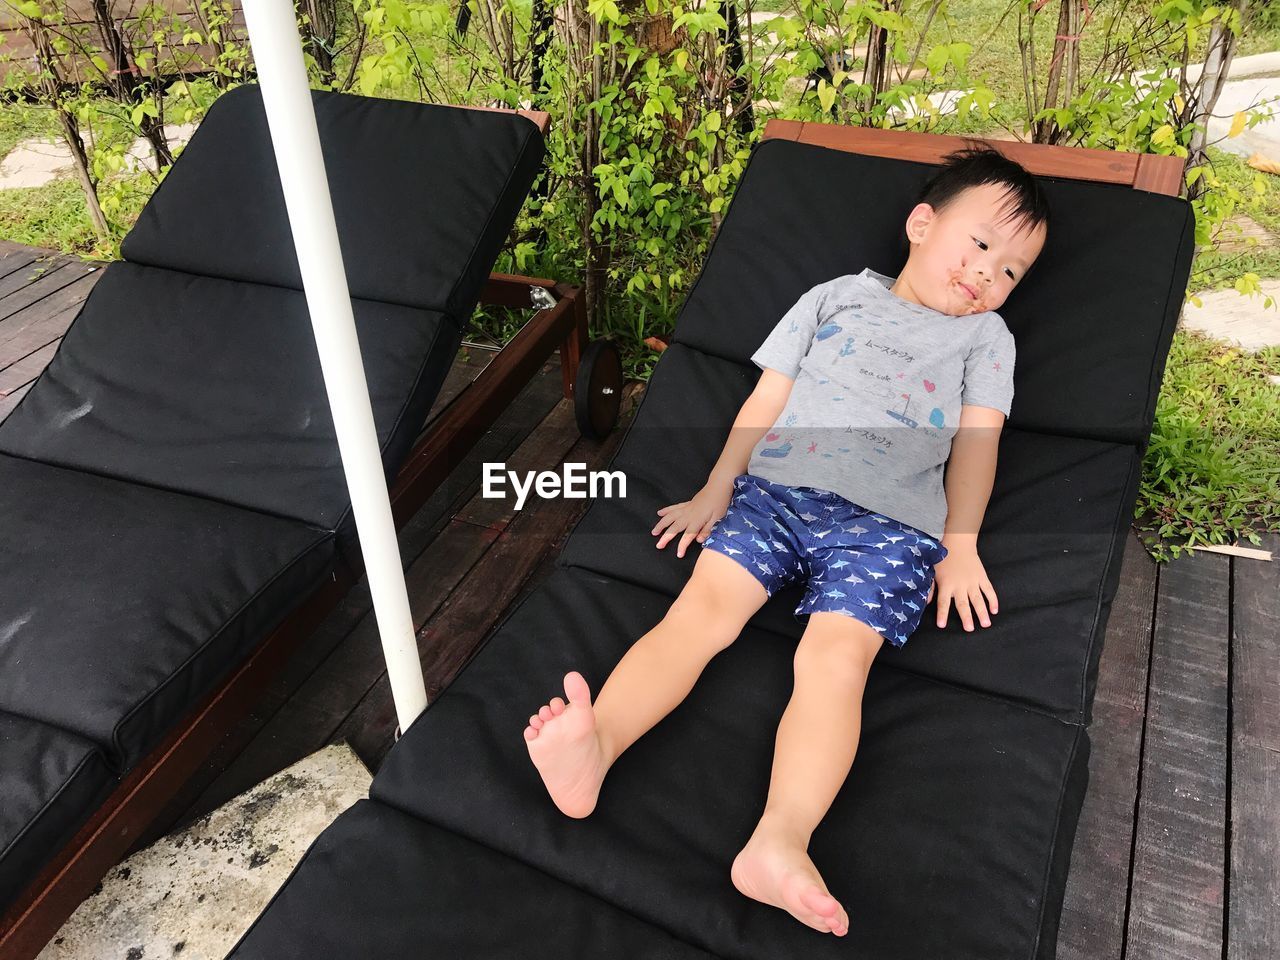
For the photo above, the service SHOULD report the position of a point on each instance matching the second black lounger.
(952, 835)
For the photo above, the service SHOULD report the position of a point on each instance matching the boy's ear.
(917, 220)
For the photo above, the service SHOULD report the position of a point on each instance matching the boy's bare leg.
(816, 742)
(574, 745)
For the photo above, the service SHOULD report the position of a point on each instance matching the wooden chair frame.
(1142, 171)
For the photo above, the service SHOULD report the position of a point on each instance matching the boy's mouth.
(971, 293)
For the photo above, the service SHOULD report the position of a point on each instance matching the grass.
(20, 121)
(56, 217)
(52, 216)
(1212, 469)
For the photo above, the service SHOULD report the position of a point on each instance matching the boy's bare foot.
(564, 746)
(775, 870)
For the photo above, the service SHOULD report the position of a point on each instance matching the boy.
(887, 366)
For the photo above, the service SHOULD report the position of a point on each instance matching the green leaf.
(826, 94)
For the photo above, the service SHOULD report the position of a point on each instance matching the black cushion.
(950, 837)
(1093, 320)
(424, 195)
(381, 884)
(1056, 515)
(213, 387)
(49, 779)
(128, 603)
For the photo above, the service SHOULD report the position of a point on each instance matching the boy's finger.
(684, 542)
(980, 608)
(992, 601)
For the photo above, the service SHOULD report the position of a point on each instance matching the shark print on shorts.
(852, 561)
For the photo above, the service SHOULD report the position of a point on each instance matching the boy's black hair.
(977, 163)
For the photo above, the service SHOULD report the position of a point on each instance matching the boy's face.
(968, 257)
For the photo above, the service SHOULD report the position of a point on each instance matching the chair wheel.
(597, 393)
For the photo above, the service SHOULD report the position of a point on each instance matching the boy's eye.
(983, 246)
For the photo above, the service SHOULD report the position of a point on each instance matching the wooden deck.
(1178, 847)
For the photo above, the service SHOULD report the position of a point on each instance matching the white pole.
(282, 76)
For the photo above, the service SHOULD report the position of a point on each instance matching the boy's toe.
(820, 903)
(557, 706)
(535, 721)
(530, 734)
(545, 713)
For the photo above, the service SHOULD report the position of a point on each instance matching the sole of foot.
(565, 748)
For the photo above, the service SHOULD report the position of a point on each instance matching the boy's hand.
(695, 517)
(961, 577)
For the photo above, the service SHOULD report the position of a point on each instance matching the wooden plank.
(39, 269)
(1253, 909)
(51, 282)
(545, 449)
(16, 260)
(1177, 898)
(23, 372)
(44, 321)
(1093, 912)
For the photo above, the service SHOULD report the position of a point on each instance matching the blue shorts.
(855, 562)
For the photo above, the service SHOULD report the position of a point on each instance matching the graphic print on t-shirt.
(878, 386)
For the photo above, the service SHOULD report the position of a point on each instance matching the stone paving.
(35, 162)
(194, 893)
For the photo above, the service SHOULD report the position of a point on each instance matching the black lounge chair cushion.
(48, 778)
(379, 883)
(128, 603)
(1055, 517)
(952, 835)
(213, 387)
(424, 196)
(950, 838)
(1090, 320)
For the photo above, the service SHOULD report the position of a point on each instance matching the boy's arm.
(760, 412)
(970, 475)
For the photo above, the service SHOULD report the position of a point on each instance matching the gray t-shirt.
(879, 382)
